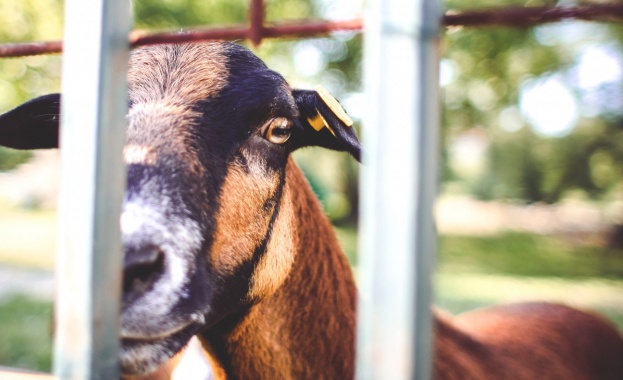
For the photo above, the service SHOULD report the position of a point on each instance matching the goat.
(224, 239)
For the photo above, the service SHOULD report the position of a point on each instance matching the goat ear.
(324, 122)
(33, 125)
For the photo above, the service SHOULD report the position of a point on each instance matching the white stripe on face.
(139, 154)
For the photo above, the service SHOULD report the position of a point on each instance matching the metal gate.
(401, 128)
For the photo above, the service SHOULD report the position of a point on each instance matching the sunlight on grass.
(523, 254)
(457, 293)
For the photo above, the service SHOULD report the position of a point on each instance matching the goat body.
(224, 239)
(527, 341)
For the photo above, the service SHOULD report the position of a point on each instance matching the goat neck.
(306, 329)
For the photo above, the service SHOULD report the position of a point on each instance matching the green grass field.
(513, 267)
(528, 255)
(472, 272)
(25, 336)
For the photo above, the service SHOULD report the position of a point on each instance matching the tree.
(489, 69)
(25, 78)
(492, 69)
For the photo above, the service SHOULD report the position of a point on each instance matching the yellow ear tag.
(334, 105)
(318, 122)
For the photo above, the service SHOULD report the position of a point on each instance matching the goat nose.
(143, 266)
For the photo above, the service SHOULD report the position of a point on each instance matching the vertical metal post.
(398, 186)
(257, 13)
(92, 183)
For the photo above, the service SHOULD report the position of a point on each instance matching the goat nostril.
(142, 269)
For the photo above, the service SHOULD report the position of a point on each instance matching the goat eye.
(277, 131)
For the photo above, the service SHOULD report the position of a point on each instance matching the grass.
(26, 333)
(478, 271)
(27, 239)
(523, 254)
(512, 267)
(459, 292)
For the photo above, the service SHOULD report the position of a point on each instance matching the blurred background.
(531, 194)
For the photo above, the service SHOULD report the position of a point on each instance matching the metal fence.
(394, 334)
(257, 30)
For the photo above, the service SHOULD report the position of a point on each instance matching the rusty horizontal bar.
(140, 38)
(525, 16)
(30, 48)
(307, 29)
(513, 17)
(312, 28)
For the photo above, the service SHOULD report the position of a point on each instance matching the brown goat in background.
(224, 239)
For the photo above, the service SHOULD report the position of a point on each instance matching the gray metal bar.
(92, 183)
(398, 186)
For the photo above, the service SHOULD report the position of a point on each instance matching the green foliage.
(524, 166)
(152, 14)
(490, 66)
(10, 158)
(347, 236)
(26, 334)
(333, 177)
(24, 78)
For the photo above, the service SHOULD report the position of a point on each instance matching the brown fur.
(272, 270)
(527, 341)
(303, 326)
(306, 329)
(241, 221)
